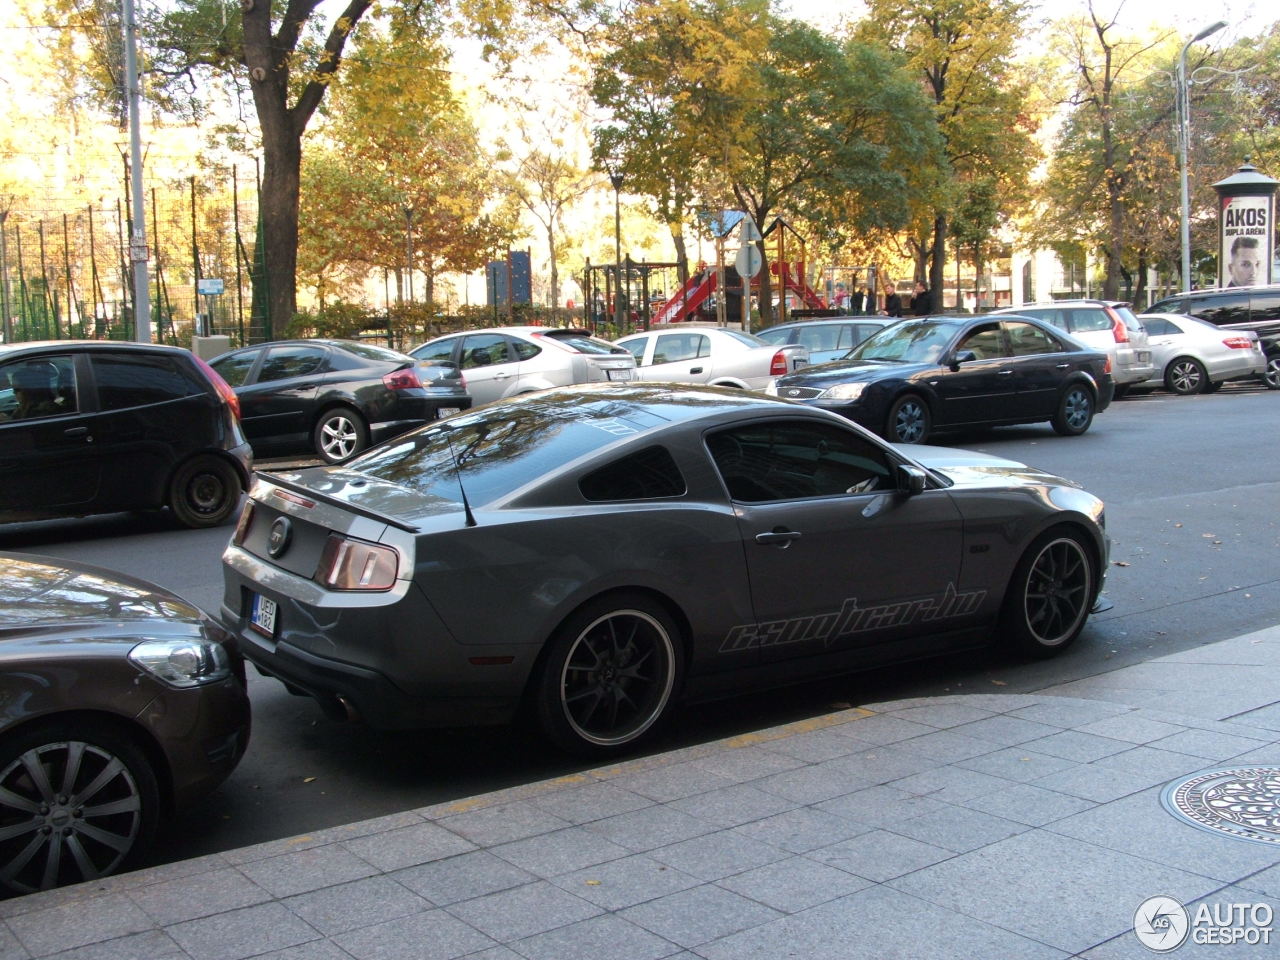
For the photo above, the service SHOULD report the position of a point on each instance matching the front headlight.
(183, 663)
(844, 391)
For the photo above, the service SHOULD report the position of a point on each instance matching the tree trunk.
(682, 258)
(938, 258)
(555, 273)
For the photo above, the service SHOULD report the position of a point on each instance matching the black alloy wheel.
(204, 491)
(1050, 595)
(1185, 376)
(610, 676)
(77, 802)
(1075, 411)
(908, 420)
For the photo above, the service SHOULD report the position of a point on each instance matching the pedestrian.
(892, 303)
(856, 300)
(922, 301)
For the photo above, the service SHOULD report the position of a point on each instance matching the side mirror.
(911, 480)
(962, 356)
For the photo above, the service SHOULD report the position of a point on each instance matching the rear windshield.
(495, 452)
(582, 342)
(367, 351)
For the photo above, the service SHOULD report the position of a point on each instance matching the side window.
(1087, 321)
(234, 367)
(1027, 340)
(44, 387)
(985, 341)
(791, 460)
(525, 350)
(825, 337)
(1265, 306)
(443, 350)
(1221, 308)
(676, 347)
(482, 350)
(125, 381)
(650, 474)
(635, 347)
(283, 363)
(1159, 327)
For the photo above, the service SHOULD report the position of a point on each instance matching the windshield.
(580, 341)
(911, 341)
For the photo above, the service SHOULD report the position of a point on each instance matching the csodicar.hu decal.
(850, 619)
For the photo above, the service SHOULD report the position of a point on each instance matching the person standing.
(892, 302)
(856, 300)
(922, 301)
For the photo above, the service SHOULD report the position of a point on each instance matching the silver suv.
(1105, 325)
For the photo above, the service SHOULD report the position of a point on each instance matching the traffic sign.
(209, 286)
(749, 261)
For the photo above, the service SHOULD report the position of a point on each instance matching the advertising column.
(1246, 227)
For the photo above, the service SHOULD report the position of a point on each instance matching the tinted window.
(235, 367)
(1220, 309)
(1159, 327)
(483, 349)
(1026, 339)
(134, 381)
(1171, 305)
(986, 341)
(282, 363)
(440, 350)
(524, 349)
(787, 461)
(647, 475)
(1265, 306)
(43, 387)
(1086, 320)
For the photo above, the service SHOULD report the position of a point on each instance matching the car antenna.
(457, 472)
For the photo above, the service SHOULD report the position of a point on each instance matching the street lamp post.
(1184, 138)
(615, 178)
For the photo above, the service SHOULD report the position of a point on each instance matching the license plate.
(262, 614)
(447, 412)
(619, 374)
(1144, 356)
(797, 364)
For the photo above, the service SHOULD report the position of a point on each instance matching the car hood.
(969, 468)
(37, 591)
(850, 371)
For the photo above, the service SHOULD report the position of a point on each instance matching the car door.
(491, 369)
(276, 405)
(838, 559)
(981, 389)
(1040, 365)
(50, 461)
(683, 357)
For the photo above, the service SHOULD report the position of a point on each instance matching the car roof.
(46, 346)
(823, 321)
(1077, 302)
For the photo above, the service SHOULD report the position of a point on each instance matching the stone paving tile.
(593, 801)
(801, 830)
(882, 729)
(523, 911)
(672, 781)
(695, 916)
(880, 806)
(1025, 803)
(731, 806)
(814, 747)
(950, 784)
(880, 855)
(151, 945)
(1151, 765)
(1268, 717)
(1131, 728)
(1060, 891)
(242, 933)
(495, 953)
(717, 855)
(360, 903)
(1091, 782)
(1208, 745)
(794, 884)
(555, 853)
(877, 924)
(624, 883)
(1127, 945)
(1007, 731)
(958, 828)
(77, 923)
(502, 823)
(1070, 712)
(884, 763)
(1138, 825)
(407, 846)
(649, 827)
(435, 935)
(1265, 882)
(814, 783)
(1081, 747)
(596, 938)
(995, 702)
(944, 714)
(198, 896)
(10, 949)
(308, 869)
(315, 950)
(743, 764)
(443, 882)
(1020, 764)
(948, 745)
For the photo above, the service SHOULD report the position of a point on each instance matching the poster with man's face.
(1245, 258)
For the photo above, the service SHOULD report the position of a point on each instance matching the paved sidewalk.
(990, 826)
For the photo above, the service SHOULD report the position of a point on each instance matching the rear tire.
(1272, 375)
(908, 421)
(91, 813)
(339, 435)
(1185, 376)
(1050, 594)
(204, 492)
(1075, 411)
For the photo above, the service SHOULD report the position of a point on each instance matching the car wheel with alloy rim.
(1075, 411)
(908, 421)
(1050, 594)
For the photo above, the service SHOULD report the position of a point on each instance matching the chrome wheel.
(1050, 595)
(71, 810)
(908, 421)
(1185, 376)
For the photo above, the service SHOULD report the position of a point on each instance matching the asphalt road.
(1192, 487)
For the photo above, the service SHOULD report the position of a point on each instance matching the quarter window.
(283, 363)
(649, 474)
(1028, 340)
(234, 367)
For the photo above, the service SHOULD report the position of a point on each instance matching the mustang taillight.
(1118, 329)
(778, 365)
(1238, 343)
(357, 565)
(402, 379)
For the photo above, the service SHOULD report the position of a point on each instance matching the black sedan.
(594, 553)
(119, 703)
(929, 374)
(335, 397)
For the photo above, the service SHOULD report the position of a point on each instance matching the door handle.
(76, 432)
(1004, 373)
(695, 370)
(501, 376)
(779, 536)
(1061, 366)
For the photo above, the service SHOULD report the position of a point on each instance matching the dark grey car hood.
(969, 468)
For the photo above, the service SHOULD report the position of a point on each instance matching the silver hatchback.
(1105, 325)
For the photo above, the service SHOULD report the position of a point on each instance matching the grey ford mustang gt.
(596, 553)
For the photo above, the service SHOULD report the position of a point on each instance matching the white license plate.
(620, 374)
(797, 364)
(447, 412)
(1144, 356)
(262, 614)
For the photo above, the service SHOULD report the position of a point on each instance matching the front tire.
(204, 492)
(78, 801)
(1185, 376)
(339, 435)
(908, 421)
(1049, 597)
(610, 676)
(1272, 375)
(1075, 411)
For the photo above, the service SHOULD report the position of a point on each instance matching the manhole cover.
(1242, 802)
